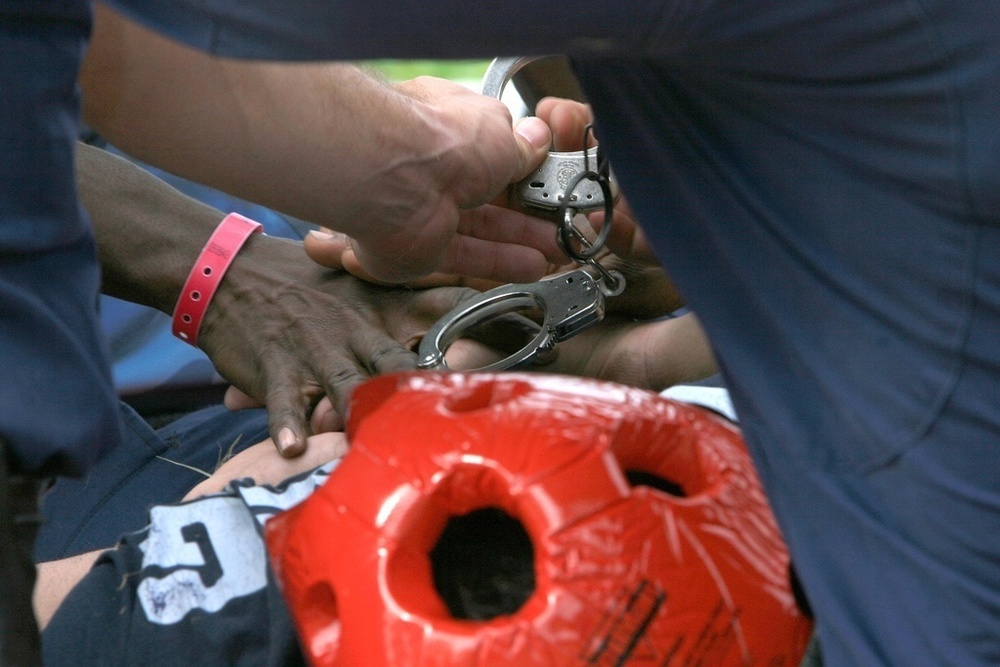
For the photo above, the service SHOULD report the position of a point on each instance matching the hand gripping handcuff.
(568, 183)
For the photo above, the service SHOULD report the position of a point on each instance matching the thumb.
(534, 139)
(334, 251)
(327, 248)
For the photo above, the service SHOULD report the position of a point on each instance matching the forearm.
(308, 139)
(148, 233)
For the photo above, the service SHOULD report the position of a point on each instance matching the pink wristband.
(207, 273)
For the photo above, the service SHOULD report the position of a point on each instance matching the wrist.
(207, 273)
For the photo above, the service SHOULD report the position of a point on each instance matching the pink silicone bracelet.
(207, 273)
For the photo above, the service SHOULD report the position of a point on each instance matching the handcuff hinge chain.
(611, 283)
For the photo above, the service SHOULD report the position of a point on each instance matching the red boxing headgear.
(454, 476)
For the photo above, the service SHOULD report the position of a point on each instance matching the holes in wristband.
(210, 266)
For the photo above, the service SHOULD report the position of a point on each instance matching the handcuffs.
(566, 182)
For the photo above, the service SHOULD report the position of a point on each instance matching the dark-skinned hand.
(287, 332)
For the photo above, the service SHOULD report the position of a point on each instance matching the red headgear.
(565, 474)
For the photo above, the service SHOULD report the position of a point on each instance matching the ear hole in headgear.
(323, 624)
(681, 459)
(643, 478)
(483, 565)
(464, 552)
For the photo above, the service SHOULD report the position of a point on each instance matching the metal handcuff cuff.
(569, 183)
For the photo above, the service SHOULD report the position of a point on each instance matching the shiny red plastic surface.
(623, 574)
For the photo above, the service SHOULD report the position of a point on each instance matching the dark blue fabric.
(57, 405)
(150, 468)
(821, 179)
(823, 186)
(355, 29)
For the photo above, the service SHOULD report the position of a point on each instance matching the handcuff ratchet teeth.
(570, 302)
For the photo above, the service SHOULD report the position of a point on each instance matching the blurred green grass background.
(456, 70)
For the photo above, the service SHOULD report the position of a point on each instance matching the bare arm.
(390, 166)
(281, 328)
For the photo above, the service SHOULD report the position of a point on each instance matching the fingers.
(502, 334)
(501, 245)
(466, 354)
(385, 355)
(324, 419)
(625, 238)
(476, 258)
(651, 355)
(287, 406)
(381, 355)
(289, 401)
(493, 243)
(534, 139)
(334, 251)
(567, 119)
(372, 353)
(326, 247)
(349, 262)
(415, 249)
(500, 224)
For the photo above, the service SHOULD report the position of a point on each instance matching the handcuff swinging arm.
(570, 302)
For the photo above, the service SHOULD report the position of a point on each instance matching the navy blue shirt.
(821, 180)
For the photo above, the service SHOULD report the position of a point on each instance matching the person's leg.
(19, 519)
